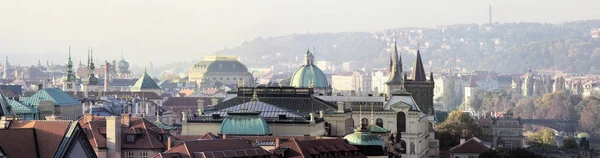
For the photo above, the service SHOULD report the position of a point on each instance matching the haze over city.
(165, 31)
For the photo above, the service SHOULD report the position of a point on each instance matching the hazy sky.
(181, 30)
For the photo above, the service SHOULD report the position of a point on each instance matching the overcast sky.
(181, 30)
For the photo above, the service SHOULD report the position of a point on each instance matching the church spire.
(395, 66)
(418, 72)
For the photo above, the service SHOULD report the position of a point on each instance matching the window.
(234, 66)
(508, 145)
(364, 122)
(143, 155)
(379, 122)
(227, 78)
(130, 138)
(129, 155)
(234, 78)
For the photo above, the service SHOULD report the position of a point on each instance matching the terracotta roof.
(148, 133)
(215, 148)
(19, 142)
(473, 145)
(308, 148)
(48, 133)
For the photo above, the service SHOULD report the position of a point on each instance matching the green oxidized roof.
(376, 129)
(20, 108)
(400, 92)
(56, 95)
(162, 125)
(244, 122)
(307, 75)
(363, 138)
(4, 106)
(145, 82)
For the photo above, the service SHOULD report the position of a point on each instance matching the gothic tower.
(395, 81)
(420, 88)
(69, 79)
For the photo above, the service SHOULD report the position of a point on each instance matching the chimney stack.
(277, 143)
(113, 137)
(224, 136)
(341, 107)
(125, 119)
(462, 141)
(200, 106)
(352, 93)
(169, 145)
(312, 118)
(88, 117)
(4, 122)
(53, 118)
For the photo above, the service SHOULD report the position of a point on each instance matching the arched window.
(364, 122)
(401, 122)
(379, 122)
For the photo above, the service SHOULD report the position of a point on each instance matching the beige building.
(219, 70)
(504, 131)
(345, 82)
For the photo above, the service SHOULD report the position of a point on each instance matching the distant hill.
(510, 47)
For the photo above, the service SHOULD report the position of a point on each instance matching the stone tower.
(420, 88)
(395, 81)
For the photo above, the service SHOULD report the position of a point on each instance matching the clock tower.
(69, 80)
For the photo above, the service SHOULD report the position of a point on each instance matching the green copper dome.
(364, 138)
(376, 129)
(309, 75)
(244, 122)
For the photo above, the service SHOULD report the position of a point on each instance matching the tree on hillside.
(458, 125)
(590, 116)
(542, 138)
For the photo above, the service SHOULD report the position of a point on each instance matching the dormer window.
(130, 138)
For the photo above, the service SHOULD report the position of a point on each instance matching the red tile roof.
(49, 134)
(308, 148)
(148, 133)
(473, 145)
(19, 142)
(214, 148)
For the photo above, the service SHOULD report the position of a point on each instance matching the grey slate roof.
(265, 109)
(303, 104)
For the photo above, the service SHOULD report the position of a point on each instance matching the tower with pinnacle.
(69, 80)
(418, 85)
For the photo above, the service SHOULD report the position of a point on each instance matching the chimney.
(106, 75)
(312, 118)
(321, 114)
(113, 137)
(277, 143)
(341, 107)
(353, 93)
(125, 119)
(214, 101)
(169, 145)
(200, 106)
(53, 118)
(462, 141)
(88, 117)
(4, 122)
(224, 136)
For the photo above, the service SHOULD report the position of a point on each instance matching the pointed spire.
(418, 72)
(395, 66)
